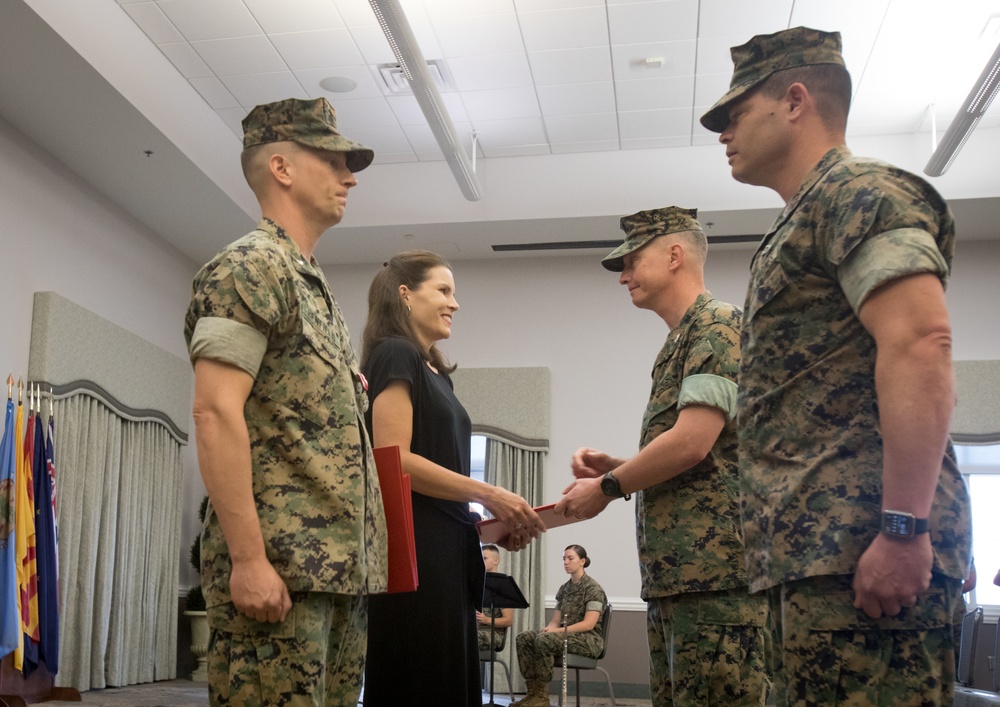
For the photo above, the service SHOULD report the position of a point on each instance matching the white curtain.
(519, 469)
(118, 490)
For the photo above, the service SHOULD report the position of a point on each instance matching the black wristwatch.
(898, 524)
(611, 487)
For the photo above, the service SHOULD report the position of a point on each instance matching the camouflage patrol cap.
(642, 227)
(308, 122)
(765, 54)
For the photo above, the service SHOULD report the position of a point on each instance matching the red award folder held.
(493, 531)
(402, 550)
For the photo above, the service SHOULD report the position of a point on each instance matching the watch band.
(611, 487)
(899, 524)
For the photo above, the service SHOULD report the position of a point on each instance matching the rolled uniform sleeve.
(886, 257)
(711, 390)
(230, 342)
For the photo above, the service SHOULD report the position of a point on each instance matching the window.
(981, 468)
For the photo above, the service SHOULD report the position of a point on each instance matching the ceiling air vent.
(396, 84)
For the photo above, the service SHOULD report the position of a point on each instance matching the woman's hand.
(515, 513)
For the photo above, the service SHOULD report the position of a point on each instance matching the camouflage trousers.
(829, 653)
(536, 651)
(484, 637)
(314, 658)
(708, 648)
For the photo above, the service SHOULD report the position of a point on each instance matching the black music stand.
(500, 591)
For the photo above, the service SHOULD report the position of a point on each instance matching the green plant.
(195, 599)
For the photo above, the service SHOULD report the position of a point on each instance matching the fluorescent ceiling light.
(411, 60)
(968, 117)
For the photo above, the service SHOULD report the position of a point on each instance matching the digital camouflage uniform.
(536, 651)
(706, 633)
(811, 447)
(259, 305)
(484, 630)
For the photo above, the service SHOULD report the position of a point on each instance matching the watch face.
(902, 524)
(609, 487)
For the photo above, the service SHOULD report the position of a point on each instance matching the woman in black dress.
(422, 645)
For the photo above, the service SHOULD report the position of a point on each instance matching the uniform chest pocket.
(324, 339)
(769, 279)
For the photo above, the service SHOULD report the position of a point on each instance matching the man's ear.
(797, 98)
(281, 168)
(677, 255)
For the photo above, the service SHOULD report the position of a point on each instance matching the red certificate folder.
(398, 503)
(493, 531)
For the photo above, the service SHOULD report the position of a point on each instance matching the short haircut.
(695, 242)
(828, 84)
(492, 548)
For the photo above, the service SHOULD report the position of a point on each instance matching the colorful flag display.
(10, 623)
(45, 539)
(29, 574)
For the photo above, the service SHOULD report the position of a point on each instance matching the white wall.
(61, 235)
(569, 314)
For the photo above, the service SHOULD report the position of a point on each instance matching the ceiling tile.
(532, 5)
(708, 88)
(564, 29)
(706, 137)
(826, 15)
(210, 19)
(374, 47)
(295, 15)
(185, 59)
(233, 118)
(394, 157)
(714, 55)
(655, 143)
(367, 86)
(215, 93)
(356, 13)
(388, 138)
(629, 61)
(447, 9)
(723, 18)
(495, 134)
(875, 126)
(254, 89)
(649, 22)
(477, 73)
(408, 112)
(501, 104)
(564, 148)
(582, 128)
(425, 144)
(365, 113)
(655, 123)
(240, 55)
(577, 98)
(520, 150)
(652, 94)
(588, 65)
(153, 22)
(487, 34)
(316, 50)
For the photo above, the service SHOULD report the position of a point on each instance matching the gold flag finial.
(10, 386)
(20, 391)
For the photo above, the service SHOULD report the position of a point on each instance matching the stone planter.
(199, 643)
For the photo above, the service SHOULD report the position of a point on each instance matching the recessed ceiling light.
(338, 84)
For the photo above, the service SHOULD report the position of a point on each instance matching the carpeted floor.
(184, 693)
